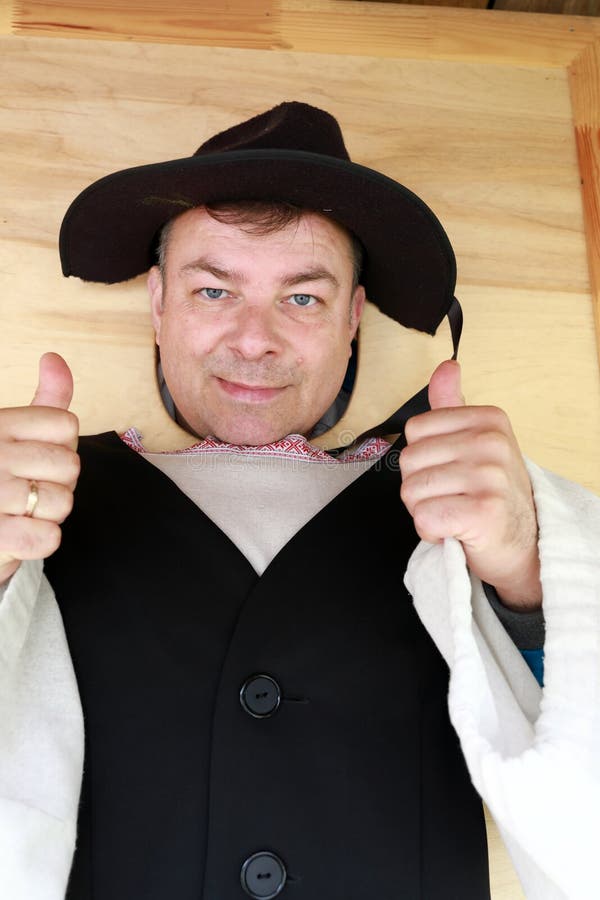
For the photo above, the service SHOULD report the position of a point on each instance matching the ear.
(155, 291)
(356, 309)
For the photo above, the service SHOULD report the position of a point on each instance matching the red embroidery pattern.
(294, 446)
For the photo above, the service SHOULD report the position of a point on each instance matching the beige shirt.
(259, 502)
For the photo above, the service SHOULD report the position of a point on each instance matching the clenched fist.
(39, 467)
(463, 476)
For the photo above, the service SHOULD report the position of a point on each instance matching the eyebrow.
(206, 264)
(310, 275)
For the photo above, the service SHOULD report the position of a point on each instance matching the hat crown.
(288, 126)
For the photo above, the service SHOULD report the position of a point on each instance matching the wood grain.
(471, 111)
(345, 26)
(465, 4)
(385, 30)
(502, 177)
(584, 77)
(561, 7)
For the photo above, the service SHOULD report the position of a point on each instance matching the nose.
(254, 334)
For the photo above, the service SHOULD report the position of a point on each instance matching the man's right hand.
(38, 443)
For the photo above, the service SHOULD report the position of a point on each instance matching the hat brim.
(109, 232)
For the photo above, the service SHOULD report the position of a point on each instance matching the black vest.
(341, 770)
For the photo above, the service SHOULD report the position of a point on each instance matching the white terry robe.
(533, 755)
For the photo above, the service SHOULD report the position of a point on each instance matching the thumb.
(55, 384)
(445, 387)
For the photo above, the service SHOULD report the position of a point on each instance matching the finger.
(39, 423)
(469, 446)
(41, 462)
(55, 383)
(445, 386)
(27, 538)
(454, 419)
(55, 501)
(456, 478)
(458, 516)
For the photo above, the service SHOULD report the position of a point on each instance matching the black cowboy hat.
(293, 152)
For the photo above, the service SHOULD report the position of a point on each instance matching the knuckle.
(497, 417)
(424, 523)
(501, 416)
(43, 540)
(492, 444)
(59, 427)
(53, 538)
(419, 518)
(65, 505)
(437, 518)
(71, 426)
(74, 466)
(411, 430)
(406, 493)
(405, 460)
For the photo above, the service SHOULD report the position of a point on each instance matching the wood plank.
(75, 110)
(464, 4)
(344, 26)
(6, 17)
(503, 882)
(562, 7)
(584, 79)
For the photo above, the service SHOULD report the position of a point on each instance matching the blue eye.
(303, 299)
(213, 293)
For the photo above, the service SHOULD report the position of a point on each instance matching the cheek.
(186, 335)
(324, 363)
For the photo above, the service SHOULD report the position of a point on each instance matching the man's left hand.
(463, 476)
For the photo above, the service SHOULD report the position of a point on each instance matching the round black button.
(260, 696)
(263, 875)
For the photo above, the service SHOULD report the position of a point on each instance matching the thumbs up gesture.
(463, 476)
(39, 467)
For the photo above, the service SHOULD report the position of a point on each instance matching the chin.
(250, 439)
(252, 434)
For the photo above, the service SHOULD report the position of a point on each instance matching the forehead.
(311, 236)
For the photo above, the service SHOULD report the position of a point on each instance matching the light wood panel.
(344, 26)
(466, 4)
(471, 111)
(584, 74)
(561, 7)
(323, 26)
(502, 177)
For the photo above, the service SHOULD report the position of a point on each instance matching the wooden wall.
(561, 7)
(492, 117)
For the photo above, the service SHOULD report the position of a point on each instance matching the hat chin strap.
(419, 403)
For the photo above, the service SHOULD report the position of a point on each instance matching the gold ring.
(32, 499)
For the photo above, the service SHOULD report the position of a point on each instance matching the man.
(262, 716)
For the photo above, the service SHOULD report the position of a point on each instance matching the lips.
(249, 393)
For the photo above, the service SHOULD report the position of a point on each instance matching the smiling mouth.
(250, 393)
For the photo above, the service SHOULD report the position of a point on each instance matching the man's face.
(254, 331)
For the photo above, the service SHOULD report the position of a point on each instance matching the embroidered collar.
(293, 446)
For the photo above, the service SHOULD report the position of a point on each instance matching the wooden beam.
(345, 27)
(584, 81)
